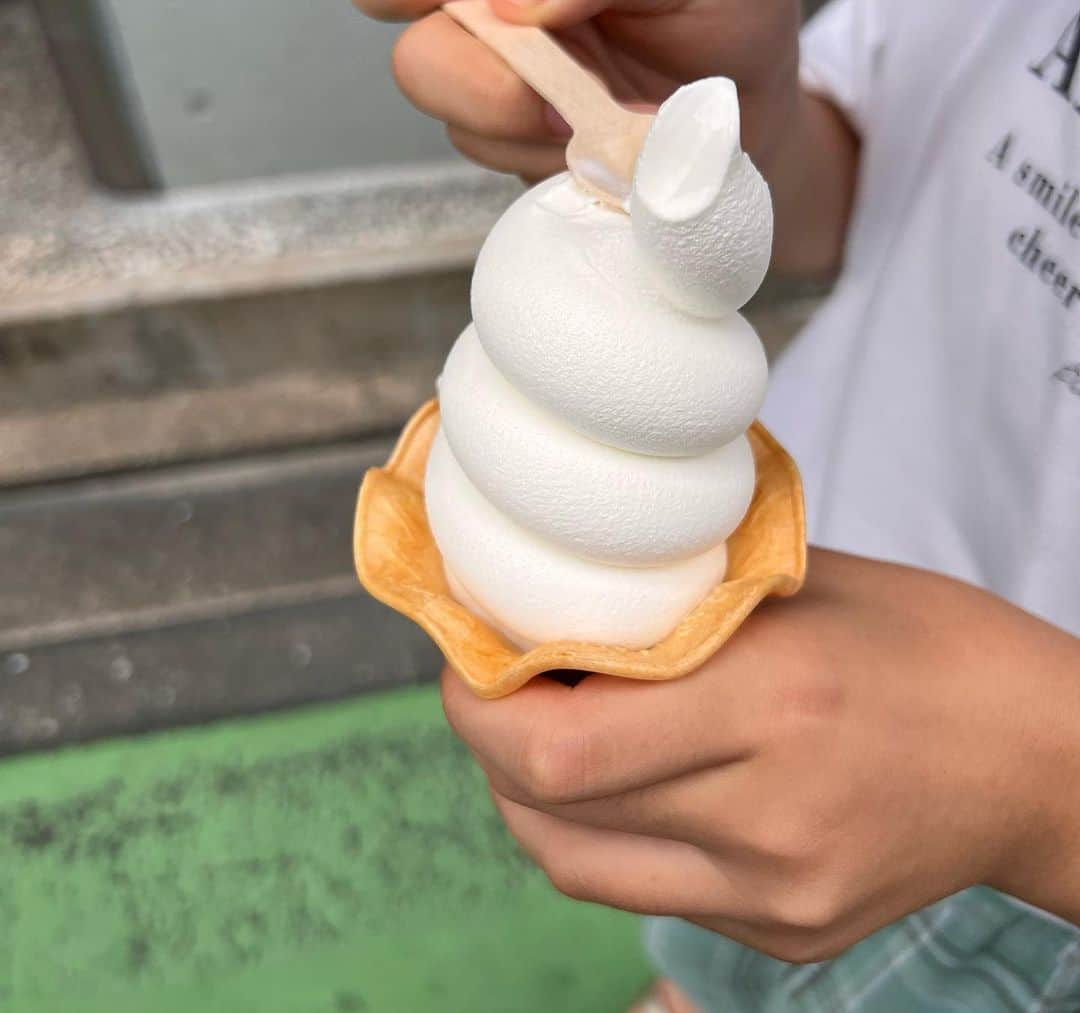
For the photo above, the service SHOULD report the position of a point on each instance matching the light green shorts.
(976, 952)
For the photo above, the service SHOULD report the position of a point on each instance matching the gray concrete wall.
(265, 87)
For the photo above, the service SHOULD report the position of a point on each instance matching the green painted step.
(338, 859)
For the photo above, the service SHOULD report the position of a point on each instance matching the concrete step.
(188, 594)
(201, 379)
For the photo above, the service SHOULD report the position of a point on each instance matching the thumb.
(549, 13)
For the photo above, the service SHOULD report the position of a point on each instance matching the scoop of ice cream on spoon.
(607, 137)
(702, 214)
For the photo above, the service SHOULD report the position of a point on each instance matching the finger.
(639, 874)
(535, 161)
(397, 10)
(655, 877)
(557, 13)
(707, 809)
(604, 736)
(453, 77)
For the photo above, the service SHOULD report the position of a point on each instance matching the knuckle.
(810, 908)
(804, 710)
(554, 766)
(791, 844)
(812, 693)
(463, 142)
(568, 880)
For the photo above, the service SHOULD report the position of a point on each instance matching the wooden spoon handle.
(580, 98)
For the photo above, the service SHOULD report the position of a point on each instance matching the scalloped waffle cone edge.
(398, 562)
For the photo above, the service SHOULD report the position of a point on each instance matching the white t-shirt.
(934, 402)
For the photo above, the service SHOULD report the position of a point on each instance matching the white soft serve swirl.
(592, 458)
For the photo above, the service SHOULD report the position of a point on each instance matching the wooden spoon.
(607, 137)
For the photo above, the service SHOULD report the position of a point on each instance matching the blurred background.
(232, 260)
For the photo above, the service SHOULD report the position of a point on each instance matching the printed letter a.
(1067, 53)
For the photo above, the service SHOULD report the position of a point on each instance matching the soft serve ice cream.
(592, 459)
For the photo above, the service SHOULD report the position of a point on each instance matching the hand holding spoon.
(607, 137)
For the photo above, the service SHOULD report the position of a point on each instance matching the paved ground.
(339, 859)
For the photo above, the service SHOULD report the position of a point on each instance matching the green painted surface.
(339, 859)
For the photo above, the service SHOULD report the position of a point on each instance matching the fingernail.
(526, 3)
(558, 126)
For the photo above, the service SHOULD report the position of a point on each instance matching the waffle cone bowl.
(398, 562)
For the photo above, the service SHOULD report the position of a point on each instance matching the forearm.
(811, 171)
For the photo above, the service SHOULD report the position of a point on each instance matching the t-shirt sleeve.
(842, 48)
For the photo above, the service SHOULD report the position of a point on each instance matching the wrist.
(774, 128)
(1041, 864)
(811, 173)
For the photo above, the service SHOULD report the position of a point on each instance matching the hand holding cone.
(399, 564)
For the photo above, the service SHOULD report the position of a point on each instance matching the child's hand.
(644, 48)
(877, 743)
